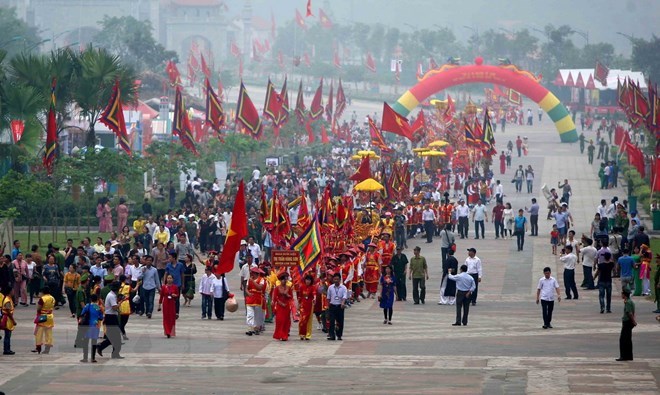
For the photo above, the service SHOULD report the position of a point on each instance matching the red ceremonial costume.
(502, 163)
(306, 294)
(282, 297)
(168, 297)
(372, 272)
(386, 249)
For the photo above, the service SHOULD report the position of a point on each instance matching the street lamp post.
(583, 34)
(630, 38)
(11, 40)
(476, 35)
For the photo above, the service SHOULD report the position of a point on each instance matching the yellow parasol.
(433, 153)
(438, 143)
(368, 153)
(356, 157)
(423, 149)
(369, 185)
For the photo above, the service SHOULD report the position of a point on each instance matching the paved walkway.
(504, 350)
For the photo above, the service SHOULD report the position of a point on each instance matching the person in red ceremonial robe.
(282, 296)
(372, 271)
(473, 192)
(447, 210)
(346, 269)
(306, 296)
(169, 294)
(386, 249)
(387, 223)
(458, 184)
(502, 163)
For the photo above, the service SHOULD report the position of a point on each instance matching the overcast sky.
(601, 19)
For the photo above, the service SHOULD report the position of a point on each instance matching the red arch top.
(467, 74)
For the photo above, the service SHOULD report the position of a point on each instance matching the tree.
(133, 42)
(646, 56)
(98, 72)
(15, 35)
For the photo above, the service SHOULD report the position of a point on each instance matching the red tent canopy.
(580, 81)
(558, 80)
(569, 80)
(590, 83)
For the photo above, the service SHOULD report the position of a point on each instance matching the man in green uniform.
(627, 324)
(399, 263)
(419, 273)
(590, 151)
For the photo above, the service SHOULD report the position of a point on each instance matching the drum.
(231, 305)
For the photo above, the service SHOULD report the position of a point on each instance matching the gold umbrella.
(433, 153)
(438, 143)
(368, 153)
(369, 185)
(356, 157)
(423, 149)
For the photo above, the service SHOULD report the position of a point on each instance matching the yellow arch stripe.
(549, 102)
(408, 100)
(565, 124)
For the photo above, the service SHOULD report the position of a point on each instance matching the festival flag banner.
(488, 139)
(340, 101)
(469, 133)
(324, 135)
(326, 23)
(335, 59)
(51, 133)
(247, 114)
(235, 50)
(17, 127)
(601, 72)
(316, 108)
(300, 20)
(329, 105)
(377, 139)
(113, 118)
(370, 63)
(395, 123)
(215, 114)
(310, 131)
(515, 97)
(363, 171)
(309, 245)
(283, 97)
(181, 123)
(237, 231)
(273, 104)
(205, 68)
(450, 110)
(653, 119)
(309, 9)
(635, 158)
(420, 71)
(300, 110)
(419, 125)
(173, 73)
(432, 64)
(304, 218)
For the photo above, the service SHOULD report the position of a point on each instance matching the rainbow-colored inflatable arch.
(507, 75)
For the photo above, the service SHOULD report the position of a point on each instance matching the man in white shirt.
(475, 270)
(589, 254)
(205, 291)
(428, 216)
(478, 216)
(111, 321)
(463, 213)
(499, 191)
(220, 292)
(545, 292)
(569, 259)
(254, 249)
(602, 209)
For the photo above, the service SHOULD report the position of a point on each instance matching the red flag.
(636, 158)
(181, 123)
(280, 59)
(478, 131)
(303, 212)
(192, 69)
(326, 23)
(235, 50)
(601, 72)
(173, 73)
(653, 119)
(515, 97)
(247, 114)
(328, 107)
(363, 171)
(237, 231)
(255, 55)
(113, 118)
(205, 67)
(310, 131)
(51, 133)
(394, 123)
(371, 63)
(300, 21)
(655, 178)
(377, 139)
(419, 125)
(273, 27)
(420, 71)
(240, 67)
(450, 110)
(488, 139)
(641, 104)
(273, 104)
(335, 59)
(316, 108)
(309, 8)
(300, 105)
(341, 101)
(17, 127)
(215, 115)
(307, 60)
(432, 64)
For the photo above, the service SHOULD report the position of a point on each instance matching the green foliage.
(646, 56)
(133, 42)
(24, 192)
(15, 35)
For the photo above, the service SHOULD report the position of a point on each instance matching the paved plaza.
(503, 350)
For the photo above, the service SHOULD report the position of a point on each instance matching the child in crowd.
(554, 239)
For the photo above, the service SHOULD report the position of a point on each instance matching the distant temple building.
(177, 23)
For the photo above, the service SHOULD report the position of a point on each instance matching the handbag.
(42, 318)
(452, 246)
(84, 319)
(3, 322)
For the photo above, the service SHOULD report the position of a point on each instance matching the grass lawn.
(51, 237)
